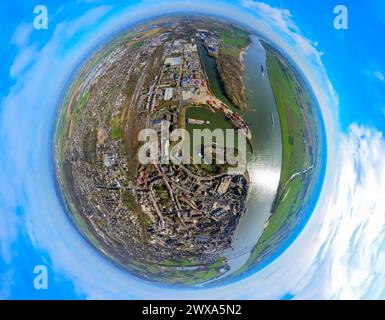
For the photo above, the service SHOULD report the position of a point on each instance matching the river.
(264, 164)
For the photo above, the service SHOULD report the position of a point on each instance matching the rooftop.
(173, 61)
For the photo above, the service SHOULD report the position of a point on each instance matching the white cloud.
(280, 17)
(379, 76)
(282, 20)
(375, 74)
(22, 34)
(355, 252)
(23, 60)
(278, 26)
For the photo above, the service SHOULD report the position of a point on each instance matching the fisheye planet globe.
(189, 150)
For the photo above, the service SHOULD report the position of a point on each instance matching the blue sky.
(341, 251)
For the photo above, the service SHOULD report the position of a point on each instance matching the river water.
(264, 164)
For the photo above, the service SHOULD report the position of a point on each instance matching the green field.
(137, 44)
(115, 128)
(234, 41)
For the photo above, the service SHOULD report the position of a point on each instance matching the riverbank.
(264, 162)
(302, 147)
(229, 64)
(231, 68)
